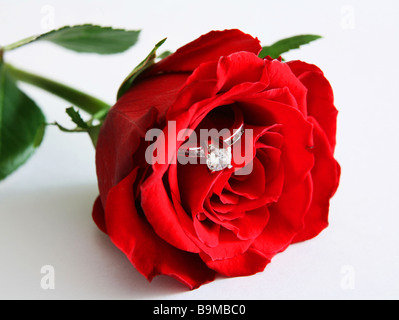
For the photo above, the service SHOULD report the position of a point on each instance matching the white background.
(45, 208)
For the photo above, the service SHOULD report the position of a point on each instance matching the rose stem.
(79, 99)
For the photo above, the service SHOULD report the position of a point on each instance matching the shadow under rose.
(54, 226)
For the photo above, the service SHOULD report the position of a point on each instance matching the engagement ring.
(217, 159)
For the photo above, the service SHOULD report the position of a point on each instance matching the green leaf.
(76, 118)
(164, 54)
(143, 65)
(86, 38)
(285, 45)
(22, 125)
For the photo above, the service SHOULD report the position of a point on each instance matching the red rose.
(188, 223)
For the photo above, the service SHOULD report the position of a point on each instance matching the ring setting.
(218, 159)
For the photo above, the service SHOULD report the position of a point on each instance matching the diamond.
(218, 159)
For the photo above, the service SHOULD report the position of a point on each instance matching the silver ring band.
(200, 152)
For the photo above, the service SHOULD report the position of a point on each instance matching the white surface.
(45, 208)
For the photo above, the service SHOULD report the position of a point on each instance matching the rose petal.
(297, 132)
(162, 216)
(325, 176)
(151, 256)
(254, 184)
(251, 225)
(320, 98)
(209, 47)
(286, 218)
(228, 245)
(227, 197)
(281, 76)
(207, 231)
(248, 263)
(126, 124)
(239, 68)
(98, 215)
(201, 85)
(274, 173)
